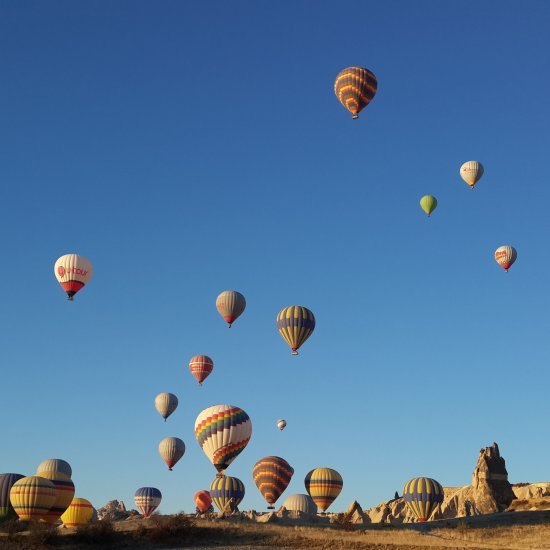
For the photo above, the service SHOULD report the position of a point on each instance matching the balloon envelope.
(230, 304)
(6, 483)
(281, 424)
(300, 503)
(355, 87)
(73, 272)
(64, 489)
(32, 497)
(295, 325)
(171, 449)
(227, 492)
(272, 474)
(422, 495)
(505, 256)
(323, 485)
(201, 366)
(223, 431)
(203, 500)
(57, 466)
(79, 512)
(166, 404)
(428, 203)
(471, 172)
(147, 500)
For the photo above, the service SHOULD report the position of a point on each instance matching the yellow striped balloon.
(355, 87)
(225, 491)
(230, 305)
(471, 172)
(505, 256)
(422, 495)
(79, 512)
(323, 486)
(32, 497)
(64, 489)
(295, 325)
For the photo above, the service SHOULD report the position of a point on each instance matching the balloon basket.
(294, 352)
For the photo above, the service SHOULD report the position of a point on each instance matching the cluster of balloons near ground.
(46, 497)
(471, 173)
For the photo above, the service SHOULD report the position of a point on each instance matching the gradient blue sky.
(189, 148)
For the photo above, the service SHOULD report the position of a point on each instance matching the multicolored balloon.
(295, 325)
(230, 304)
(201, 366)
(6, 483)
(32, 497)
(227, 492)
(73, 272)
(272, 474)
(203, 500)
(223, 431)
(505, 256)
(428, 203)
(355, 87)
(166, 404)
(323, 486)
(471, 172)
(281, 424)
(147, 500)
(171, 449)
(57, 466)
(79, 512)
(422, 495)
(64, 489)
(300, 503)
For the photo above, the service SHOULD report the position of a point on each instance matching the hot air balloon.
(79, 512)
(73, 272)
(64, 489)
(421, 496)
(300, 503)
(272, 475)
(428, 203)
(6, 483)
(223, 431)
(147, 500)
(32, 497)
(295, 324)
(227, 492)
(166, 404)
(281, 424)
(55, 465)
(201, 366)
(355, 87)
(471, 172)
(203, 501)
(171, 449)
(230, 304)
(323, 486)
(506, 256)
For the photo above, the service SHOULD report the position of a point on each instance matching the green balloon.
(428, 204)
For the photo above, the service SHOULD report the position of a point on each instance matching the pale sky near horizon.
(189, 148)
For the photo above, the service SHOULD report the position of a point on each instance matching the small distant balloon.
(295, 325)
(355, 87)
(171, 449)
(471, 172)
(230, 304)
(505, 256)
(166, 404)
(203, 500)
(428, 203)
(281, 424)
(73, 272)
(147, 500)
(201, 366)
(421, 496)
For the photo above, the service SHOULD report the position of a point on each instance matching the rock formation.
(115, 510)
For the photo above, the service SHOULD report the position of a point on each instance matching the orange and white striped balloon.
(73, 272)
(201, 366)
(471, 172)
(505, 256)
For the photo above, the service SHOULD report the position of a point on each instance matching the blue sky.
(191, 148)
